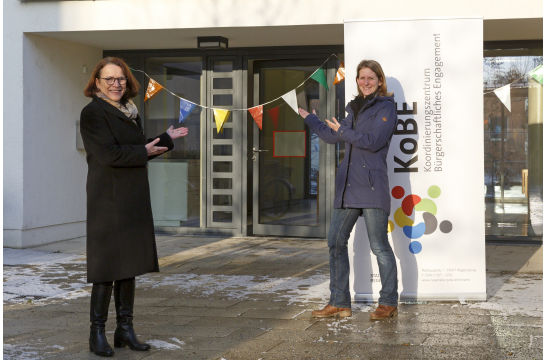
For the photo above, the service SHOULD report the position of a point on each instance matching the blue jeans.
(342, 222)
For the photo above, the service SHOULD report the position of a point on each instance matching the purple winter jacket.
(362, 177)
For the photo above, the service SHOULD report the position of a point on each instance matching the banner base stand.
(425, 297)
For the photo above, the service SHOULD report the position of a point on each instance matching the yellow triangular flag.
(220, 116)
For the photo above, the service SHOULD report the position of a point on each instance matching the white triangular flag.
(291, 99)
(504, 94)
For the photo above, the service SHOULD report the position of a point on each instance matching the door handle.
(254, 150)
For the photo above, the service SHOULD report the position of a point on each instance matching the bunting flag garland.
(186, 108)
(273, 113)
(537, 74)
(295, 100)
(339, 76)
(291, 99)
(257, 114)
(319, 75)
(220, 116)
(504, 94)
(153, 89)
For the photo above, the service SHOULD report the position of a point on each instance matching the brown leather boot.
(330, 311)
(384, 312)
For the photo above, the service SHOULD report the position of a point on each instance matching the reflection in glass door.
(175, 177)
(288, 192)
(512, 150)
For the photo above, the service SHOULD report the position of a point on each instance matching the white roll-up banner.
(434, 66)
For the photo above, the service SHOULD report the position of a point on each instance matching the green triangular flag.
(537, 74)
(319, 75)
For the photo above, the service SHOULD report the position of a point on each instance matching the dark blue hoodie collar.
(376, 99)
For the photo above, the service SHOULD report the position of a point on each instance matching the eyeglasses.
(112, 80)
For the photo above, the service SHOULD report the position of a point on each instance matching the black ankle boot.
(100, 300)
(124, 304)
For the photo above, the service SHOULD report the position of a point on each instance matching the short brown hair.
(375, 67)
(132, 84)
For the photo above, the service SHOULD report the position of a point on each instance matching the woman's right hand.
(305, 113)
(155, 150)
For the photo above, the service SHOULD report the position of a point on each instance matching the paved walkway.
(250, 298)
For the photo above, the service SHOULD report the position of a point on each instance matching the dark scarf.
(359, 102)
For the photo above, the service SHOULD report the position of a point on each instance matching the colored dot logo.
(429, 212)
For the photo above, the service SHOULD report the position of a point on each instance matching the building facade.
(243, 180)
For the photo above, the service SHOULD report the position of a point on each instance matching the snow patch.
(31, 275)
(178, 341)
(28, 351)
(160, 344)
(507, 296)
(241, 287)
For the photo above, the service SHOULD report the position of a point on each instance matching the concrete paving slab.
(377, 351)
(243, 306)
(430, 328)
(254, 323)
(165, 318)
(240, 311)
(460, 340)
(303, 349)
(404, 339)
(458, 352)
(34, 334)
(519, 330)
(449, 308)
(185, 331)
(516, 320)
(287, 334)
(452, 319)
(285, 313)
(204, 312)
(515, 259)
(199, 302)
(185, 354)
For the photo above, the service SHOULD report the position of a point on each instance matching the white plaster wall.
(53, 170)
(44, 199)
(172, 14)
(13, 128)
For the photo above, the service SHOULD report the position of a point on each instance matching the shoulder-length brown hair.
(375, 67)
(132, 85)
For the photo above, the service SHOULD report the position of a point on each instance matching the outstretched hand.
(333, 124)
(177, 133)
(155, 150)
(305, 113)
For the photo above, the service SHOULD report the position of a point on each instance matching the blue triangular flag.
(185, 109)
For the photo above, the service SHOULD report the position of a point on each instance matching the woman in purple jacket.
(361, 188)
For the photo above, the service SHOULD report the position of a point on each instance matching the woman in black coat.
(120, 233)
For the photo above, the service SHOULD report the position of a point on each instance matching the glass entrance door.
(288, 191)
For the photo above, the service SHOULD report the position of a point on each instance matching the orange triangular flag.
(339, 76)
(220, 116)
(273, 113)
(153, 89)
(257, 114)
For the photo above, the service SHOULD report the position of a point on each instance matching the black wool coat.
(120, 234)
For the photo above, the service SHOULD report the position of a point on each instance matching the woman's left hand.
(176, 133)
(333, 124)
